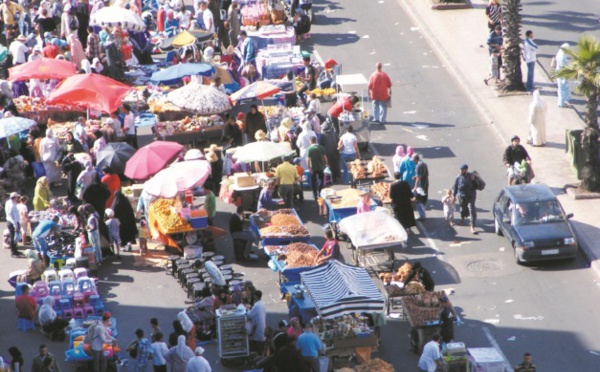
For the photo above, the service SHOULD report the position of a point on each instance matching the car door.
(504, 215)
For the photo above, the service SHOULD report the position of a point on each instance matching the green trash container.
(575, 151)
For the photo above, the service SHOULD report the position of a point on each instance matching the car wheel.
(497, 228)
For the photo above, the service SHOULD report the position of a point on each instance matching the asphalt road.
(550, 309)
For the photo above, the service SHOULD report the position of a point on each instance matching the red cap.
(106, 315)
(240, 116)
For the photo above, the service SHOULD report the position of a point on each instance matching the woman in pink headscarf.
(76, 49)
(398, 157)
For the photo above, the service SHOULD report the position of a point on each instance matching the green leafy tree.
(511, 46)
(584, 67)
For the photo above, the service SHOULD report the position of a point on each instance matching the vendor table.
(303, 307)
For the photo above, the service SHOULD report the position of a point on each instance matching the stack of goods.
(423, 309)
(60, 129)
(298, 255)
(376, 167)
(390, 279)
(276, 60)
(375, 365)
(280, 223)
(347, 198)
(189, 124)
(35, 108)
(66, 220)
(274, 35)
(166, 212)
(255, 14)
(382, 190)
(372, 169)
(357, 169)
(78, 351)
(342, 327)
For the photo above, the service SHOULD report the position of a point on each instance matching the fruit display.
(376, 167)
(166, 212)
(347, 198)
(382, 190)
(375, 365)
(189, 124)
(423, 308)
(60, 129)
(324, 93)
(37, 104)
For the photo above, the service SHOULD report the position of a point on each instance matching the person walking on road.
(401, 196)
(529, 55)
(45, 361)
(493, 12)
(464, 189)
(527, 364)
(348, 147)
(564, 89)
(447, 318)
(537, 120)
(421, 181)
(380, 93)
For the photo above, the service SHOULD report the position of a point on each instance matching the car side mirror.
(570, 215)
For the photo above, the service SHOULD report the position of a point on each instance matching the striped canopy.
(338, 289)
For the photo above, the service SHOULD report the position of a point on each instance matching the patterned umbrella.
(257, 90)
(201, 99)
(116, 16)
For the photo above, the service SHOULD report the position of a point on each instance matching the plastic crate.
(199, 222)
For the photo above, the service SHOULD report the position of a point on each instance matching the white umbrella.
(117, 16)
(177, 178)
(201, 99)
(261, 151)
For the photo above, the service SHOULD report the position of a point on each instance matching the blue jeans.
(379, 111)
(345, 158)
(41, 245)
(94, 241)
(530, 70)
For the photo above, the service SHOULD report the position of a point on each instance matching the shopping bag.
(38, 169)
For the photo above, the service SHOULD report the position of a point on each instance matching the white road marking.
(488, 335)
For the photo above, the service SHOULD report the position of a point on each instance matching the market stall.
(341, 204)
(279, 227)
(76, 354)
(423, 313)
(233, 341)
(37, 109)
(167, 224)
(355, 84)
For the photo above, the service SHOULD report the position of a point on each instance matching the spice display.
(285, 220)
(295, 259)
(300, 248)
(166, 212)
(424, 308)
(375, 365)
(382, 190)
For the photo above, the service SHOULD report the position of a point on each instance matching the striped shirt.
(494, 11)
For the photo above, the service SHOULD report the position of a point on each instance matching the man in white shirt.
(529, 55)
(18, 50)
(431, 357)
(207, 17)
(184, 17)
(258, 316)
(80, 133)
(129, 125)
(348, 146)
(99, 338)
(12, 221)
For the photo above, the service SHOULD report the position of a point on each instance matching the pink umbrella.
(177, 178)
(151, 159)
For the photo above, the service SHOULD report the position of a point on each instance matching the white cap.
(199, 350)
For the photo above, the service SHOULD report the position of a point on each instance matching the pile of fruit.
(376, 167)
(375, 365)
(166, 212)
(382, 190)
(423, 308)
(189, 124)
(36, 104)
(60, 129)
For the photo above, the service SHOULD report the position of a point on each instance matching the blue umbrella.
(14, 125)
(182, 69)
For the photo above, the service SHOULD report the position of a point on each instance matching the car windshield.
(537, 212)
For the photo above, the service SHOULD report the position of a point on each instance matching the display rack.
(233, 341)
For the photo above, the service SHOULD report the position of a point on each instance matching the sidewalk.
(458, 37)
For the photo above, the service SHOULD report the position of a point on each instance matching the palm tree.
(511, 46)
(585, 68)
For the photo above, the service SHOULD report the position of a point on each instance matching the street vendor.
(364, 202)
(344, 103)
(422, 275)
(330, 250)
(41, 232)
(265, 198)
(210, 204)
(447, 318)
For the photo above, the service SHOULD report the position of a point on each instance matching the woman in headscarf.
(99, 143)
(35, 266)
(51, 324)
(41, 194)
(255, 121)
(329, 140)
(408, 167)
(97, 66)
(216, 170)
(537, 120)
(124, 212)
(93, 230)
(113, 182)
(179, 355)
(177, 331)
(76, 48)
(69, 146)
(189, 327)
(96, 194)
(49, 149)
(303, 142)
(401, 195)
(16, 359)
(85, 178)
(71, 167)
(283, 130)
(398, 156)
(564, 88)
(86, 66)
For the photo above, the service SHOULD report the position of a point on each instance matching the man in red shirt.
(380, 91)
(26, 305)
(50, 50)
(342, 104)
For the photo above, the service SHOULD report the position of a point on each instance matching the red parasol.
(42, 68)
(151, 159)
(257, 90)
(92, 91)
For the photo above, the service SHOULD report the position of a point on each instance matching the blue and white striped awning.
(338, 289)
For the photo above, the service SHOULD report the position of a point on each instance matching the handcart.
(233, 340)
(424, 320)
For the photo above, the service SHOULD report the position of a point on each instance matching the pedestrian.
(380, 93)
(198, 363)
(402, 196)
(564, 88)
(447, 318)
(464, 190)
(303, 141)
(158, 350)
(310, 346)
(113, 226)
(129, 126)
(317, 161)
(177, 331)
(93, 231)
(155, 329)
(49, 148)
(431, 358)
(84, 179)
(494, 41)
(258, 317)
(44, 361)
(309, 79)
(314, 104)
(210, 204)
(348, 146)
(448, 206)
(527, 364)
(493, 13)
(255, 121)
(233, 22)
(26, 304)
(12, 222)
(298, 190)
(216, 169)
(16, 359)
(408, 168)
(127, 227)
(24, 223)
(288, 358)
(139, 350)
(529, 55)
(143, 236)
(421, 187)
(71, 167)
(286, 175)
(179, 355)
(397, 158)
(329, 141)
(537, 120)
(189, 327)
(494, 67)
(112, 182)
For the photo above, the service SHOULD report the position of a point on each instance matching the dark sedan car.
(532, 219)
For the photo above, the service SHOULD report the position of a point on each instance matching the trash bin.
(575, 151)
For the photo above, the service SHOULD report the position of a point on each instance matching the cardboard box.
(243, 180)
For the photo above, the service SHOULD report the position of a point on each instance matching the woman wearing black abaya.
(83, 17)
(124, 212)
(401, 196)
(329, 141)
(96, 194)
(71, 167)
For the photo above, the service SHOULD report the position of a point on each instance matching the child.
(113, 224)
(494, 67)
(23, 217)
(143, 236)
(448, 203)
(158, 349)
